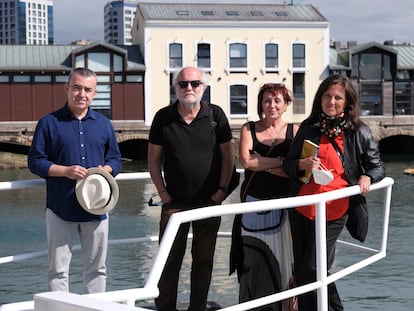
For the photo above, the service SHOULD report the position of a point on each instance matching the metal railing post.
(321, 261)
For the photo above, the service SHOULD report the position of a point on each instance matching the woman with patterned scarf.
(334, 120)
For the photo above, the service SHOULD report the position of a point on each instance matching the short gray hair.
(84, 72)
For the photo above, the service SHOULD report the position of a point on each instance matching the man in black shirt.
(197, 159)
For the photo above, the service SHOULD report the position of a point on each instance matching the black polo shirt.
(191, 157)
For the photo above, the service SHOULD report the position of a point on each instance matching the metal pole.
(321, 261)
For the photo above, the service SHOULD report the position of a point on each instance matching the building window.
(203, 55)
(371, 98)
(99, 62)
(271, 56)
(299, 93)
(207, 94)
(403, 98)
(370, 66)
(238, 55)
(102, 101)
(387, 68)
(134, 78)
(80, 60)
(21, 78)
(4, 78)
(118, 63)
(61, 78)
(176, 55)
(42, 79)
(298, 56)
(238, 99)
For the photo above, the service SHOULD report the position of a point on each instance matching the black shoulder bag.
(357, 223)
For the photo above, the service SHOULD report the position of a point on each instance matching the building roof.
(59, 57)
(405, 58)
(371, 45)
(336, 61)
(230, 12)
(35, 57)
(342, 59)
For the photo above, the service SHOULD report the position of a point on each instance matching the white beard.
(188, 105)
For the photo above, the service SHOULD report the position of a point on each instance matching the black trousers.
(304, 252)
(202, 250)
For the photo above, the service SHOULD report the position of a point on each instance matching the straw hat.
(98, 192)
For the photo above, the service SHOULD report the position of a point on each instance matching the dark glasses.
(194, 84)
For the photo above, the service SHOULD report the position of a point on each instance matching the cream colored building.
(241, 46)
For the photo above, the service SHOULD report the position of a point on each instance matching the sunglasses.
(194, 84)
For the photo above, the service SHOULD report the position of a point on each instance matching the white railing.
(150, 289)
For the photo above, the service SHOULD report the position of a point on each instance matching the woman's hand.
(364, 183)
(308, 164)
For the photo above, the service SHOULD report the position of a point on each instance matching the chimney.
(337, 45)
(352, 44)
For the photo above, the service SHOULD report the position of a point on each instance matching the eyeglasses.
(194, 84)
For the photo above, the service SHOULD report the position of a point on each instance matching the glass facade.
(28, 22)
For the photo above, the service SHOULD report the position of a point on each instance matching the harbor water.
(385, 285)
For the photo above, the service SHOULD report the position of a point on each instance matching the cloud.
(78, 20)
(368, 20)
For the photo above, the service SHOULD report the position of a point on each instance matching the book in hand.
(309, 149)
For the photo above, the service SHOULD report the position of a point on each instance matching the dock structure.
(20, 133)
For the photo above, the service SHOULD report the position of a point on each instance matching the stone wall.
(12, 160)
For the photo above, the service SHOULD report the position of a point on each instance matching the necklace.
(277, 134)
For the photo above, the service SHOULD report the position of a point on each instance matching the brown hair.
(352, 103)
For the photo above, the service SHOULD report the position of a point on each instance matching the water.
(385, 285)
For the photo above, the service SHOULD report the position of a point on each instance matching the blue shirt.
(62, 139)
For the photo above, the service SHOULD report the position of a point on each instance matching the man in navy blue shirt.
(66, 143)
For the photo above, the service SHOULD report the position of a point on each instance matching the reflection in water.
(386, 285)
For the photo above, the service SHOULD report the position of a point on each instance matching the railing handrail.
(150, 289)
(30, 183)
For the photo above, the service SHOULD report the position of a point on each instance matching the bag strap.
(338, 152)
(252, 128)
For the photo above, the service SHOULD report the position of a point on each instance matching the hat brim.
(114, 192)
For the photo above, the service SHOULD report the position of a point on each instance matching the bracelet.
(281, 159)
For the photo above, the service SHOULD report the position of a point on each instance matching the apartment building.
(240, 46)
(26, 22)
(118, 19)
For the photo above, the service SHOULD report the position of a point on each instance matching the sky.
(350, 20)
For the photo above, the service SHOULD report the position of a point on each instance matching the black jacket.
(361, 154)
